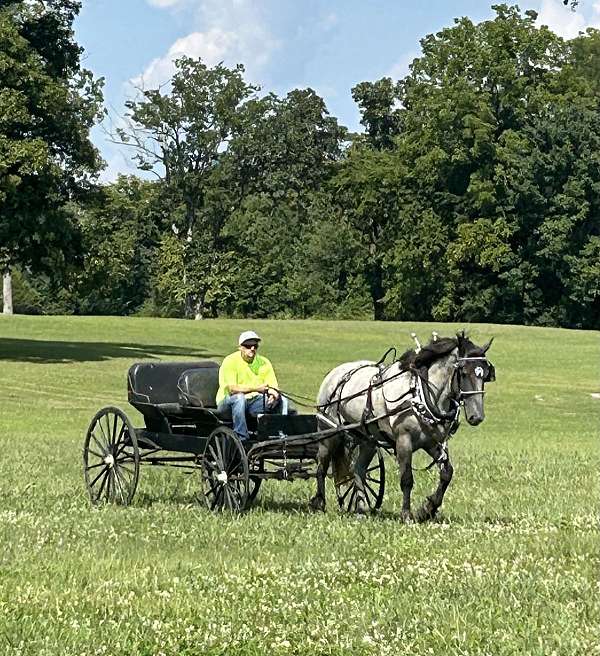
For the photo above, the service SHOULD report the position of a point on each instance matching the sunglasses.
(250, 346)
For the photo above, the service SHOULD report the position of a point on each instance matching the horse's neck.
(440, 379)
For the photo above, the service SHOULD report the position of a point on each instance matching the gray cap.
(247, 335)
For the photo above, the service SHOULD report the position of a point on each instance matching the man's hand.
(272, 397)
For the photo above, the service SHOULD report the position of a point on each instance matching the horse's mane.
(437, 349)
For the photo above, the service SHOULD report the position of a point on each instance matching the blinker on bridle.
(460, 363)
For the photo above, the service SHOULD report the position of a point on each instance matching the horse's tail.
(341, 465)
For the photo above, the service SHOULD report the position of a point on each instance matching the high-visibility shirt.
(236, 371)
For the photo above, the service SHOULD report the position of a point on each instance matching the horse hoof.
(407, 517)
(426, 512)
(317, 504)
(361, 508)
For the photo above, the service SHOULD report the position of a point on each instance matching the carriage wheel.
(225, 479)
(374, 483)
(111, 458)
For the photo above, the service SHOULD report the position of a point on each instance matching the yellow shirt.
(236, 371)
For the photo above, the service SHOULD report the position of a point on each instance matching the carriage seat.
(160, 384)
(198, 388)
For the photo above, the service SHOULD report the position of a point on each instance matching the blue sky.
(329, 45)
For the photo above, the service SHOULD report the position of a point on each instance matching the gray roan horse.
(411, 404)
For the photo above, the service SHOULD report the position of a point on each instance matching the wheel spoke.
(118, 482)
(218, 495)
(122, 444)
(127, 476)
(97, 477)
(114, 430)
(345, 494)
(98, 464)
(99, 495)
(127, 458)
(235, 465)
(371, 490)
(109, 486)
(216, 465)
(106, 424)
(226, 498)
(94, 453)
(225, 448)
(102, 447)
(101, 427)
(352, 498)
(220, 452)
(239, 477)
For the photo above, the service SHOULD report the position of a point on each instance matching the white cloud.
(567, 23)
(161, 4)
(234, 33)
(212, 47)
(401, 68)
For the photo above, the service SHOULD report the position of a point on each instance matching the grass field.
(509, 567)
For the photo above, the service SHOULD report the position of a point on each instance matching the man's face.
(248, 350)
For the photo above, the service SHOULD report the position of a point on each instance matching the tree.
(181, 136)
(380, 113)
(48, 104)
(477, 109)
(275, 166)
(121, 230)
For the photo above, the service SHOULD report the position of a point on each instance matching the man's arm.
(270, 379)
(245, 389)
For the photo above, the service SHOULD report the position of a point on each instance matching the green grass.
(510, 566)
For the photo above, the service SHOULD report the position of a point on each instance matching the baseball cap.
(247, 335)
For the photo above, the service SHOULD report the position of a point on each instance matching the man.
(247, 384)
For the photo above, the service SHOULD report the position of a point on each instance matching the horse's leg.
(404, 458)
(430, 506)
(365, 455)
(323, 459)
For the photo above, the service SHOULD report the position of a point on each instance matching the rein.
(420, 389)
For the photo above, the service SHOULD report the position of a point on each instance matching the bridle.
(479, 373)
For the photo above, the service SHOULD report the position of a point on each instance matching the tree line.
(473, 193)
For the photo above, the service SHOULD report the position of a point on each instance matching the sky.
(328, 45)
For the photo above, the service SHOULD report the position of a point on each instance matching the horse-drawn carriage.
(182, 428)
(363, 409)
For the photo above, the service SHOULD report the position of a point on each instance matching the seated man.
(247, 383)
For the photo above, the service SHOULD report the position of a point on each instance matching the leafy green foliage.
(48, 103)
(473, 193)
(121, 228)
(180, 135)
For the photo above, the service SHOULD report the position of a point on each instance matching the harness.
(418, 398)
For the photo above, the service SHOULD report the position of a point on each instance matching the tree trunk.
(7, 291)
(198, 306)
(377, 291)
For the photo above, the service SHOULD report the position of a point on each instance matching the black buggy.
(183, 429)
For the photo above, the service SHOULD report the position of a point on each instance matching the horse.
(413, 403)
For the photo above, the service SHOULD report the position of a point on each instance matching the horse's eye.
(479, 372)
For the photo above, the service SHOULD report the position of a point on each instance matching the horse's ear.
(485, 347)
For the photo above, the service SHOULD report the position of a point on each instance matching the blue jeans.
(240, 404)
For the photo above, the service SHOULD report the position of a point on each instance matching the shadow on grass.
(49, 352)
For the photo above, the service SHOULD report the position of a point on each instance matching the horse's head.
(473, 371)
